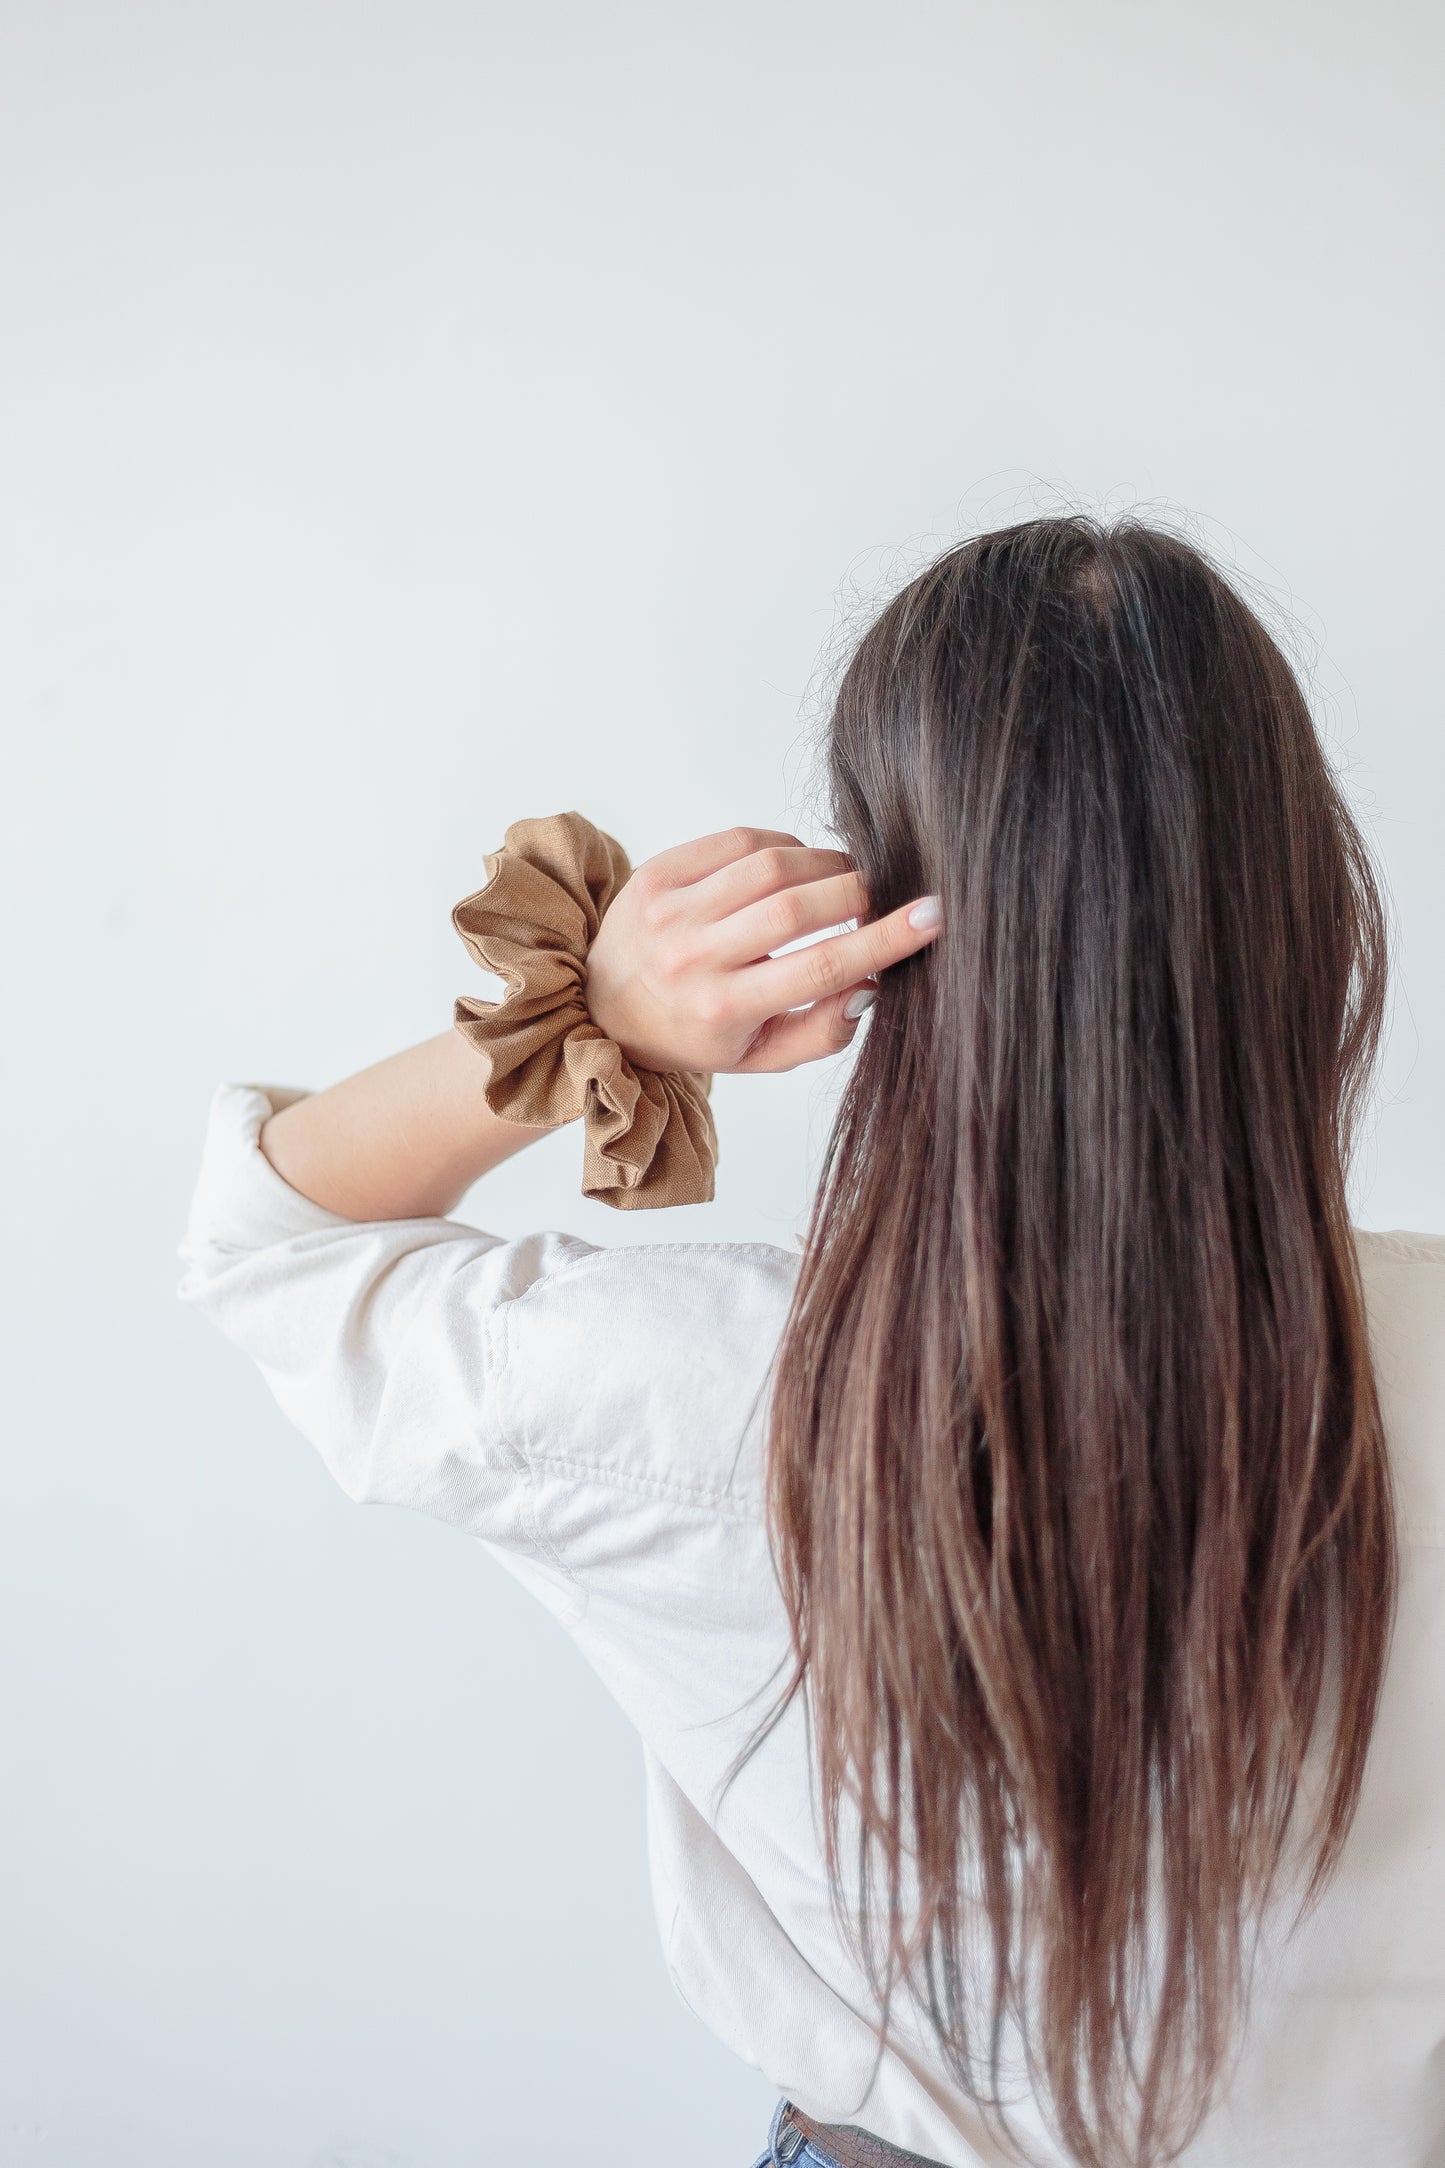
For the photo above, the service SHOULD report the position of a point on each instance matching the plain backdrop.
(418, 416)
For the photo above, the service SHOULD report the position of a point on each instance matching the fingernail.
(927, 913)
(858, 1005)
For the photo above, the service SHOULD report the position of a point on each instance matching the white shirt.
(593, 1417)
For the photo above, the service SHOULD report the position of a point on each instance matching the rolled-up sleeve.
(381, 1340)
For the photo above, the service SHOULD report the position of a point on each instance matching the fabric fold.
(649, 1139)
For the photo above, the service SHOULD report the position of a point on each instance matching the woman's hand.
(682, 974)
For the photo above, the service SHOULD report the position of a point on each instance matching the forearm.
(403, 1139)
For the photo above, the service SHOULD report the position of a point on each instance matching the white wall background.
(418, 416)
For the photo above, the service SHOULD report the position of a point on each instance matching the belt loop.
(789, 2142)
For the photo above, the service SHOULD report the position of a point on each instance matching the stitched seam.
(596, 1259)
(522, 1460)
(742, 1504)
(1421, 1246)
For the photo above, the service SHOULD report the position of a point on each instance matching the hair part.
(1077, 1486)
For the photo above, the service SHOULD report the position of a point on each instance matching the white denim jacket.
(593, 1417)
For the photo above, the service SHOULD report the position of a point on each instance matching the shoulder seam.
(523, 1464)
(1429, 1249)
(598, 1254)
(741, 1505)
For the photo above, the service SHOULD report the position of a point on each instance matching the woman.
(1071, 1514)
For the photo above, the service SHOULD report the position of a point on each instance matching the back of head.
(1077, 1484)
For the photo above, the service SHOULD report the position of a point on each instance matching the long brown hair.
(1077, 1486)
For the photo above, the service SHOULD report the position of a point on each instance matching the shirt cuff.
(240, 1202)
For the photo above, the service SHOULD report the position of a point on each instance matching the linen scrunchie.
(648, 1137)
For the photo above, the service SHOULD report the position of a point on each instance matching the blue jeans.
(788, 2148)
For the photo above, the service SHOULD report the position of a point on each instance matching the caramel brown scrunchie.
(649, 1137)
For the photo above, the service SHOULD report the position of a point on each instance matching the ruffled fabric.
(649, 1137)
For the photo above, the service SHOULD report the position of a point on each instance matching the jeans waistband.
(836, 2145)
